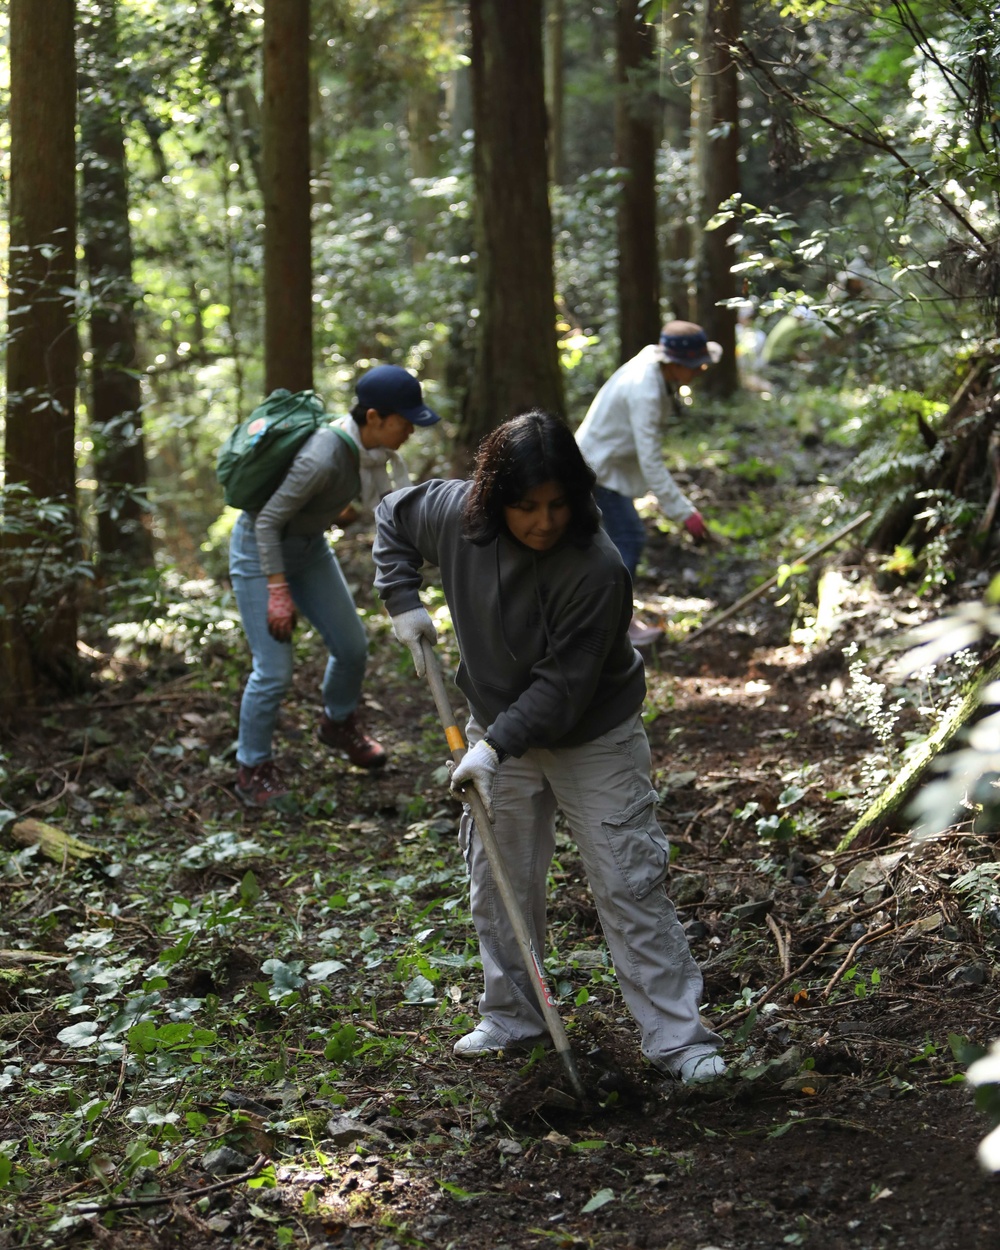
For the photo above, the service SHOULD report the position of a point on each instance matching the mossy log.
(886, 811)
(53, 842)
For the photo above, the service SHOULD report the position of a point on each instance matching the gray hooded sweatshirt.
(543, 636)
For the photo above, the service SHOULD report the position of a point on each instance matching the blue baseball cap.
(388, 388)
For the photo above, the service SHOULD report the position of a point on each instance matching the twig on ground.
(806, 963)
(107, 915)
(865, 938)
(115, 1097)
(44, 803)
(782, 944)
(162, 697)
(153, 1200)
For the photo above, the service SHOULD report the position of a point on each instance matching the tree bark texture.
(516, 358)
(458, 85)
(555, 30)
(115, 392)
(423, 124)
(288, 354)
(39, 448)
(42, 352)
(636, 139)
(676, 247)
(718, 139)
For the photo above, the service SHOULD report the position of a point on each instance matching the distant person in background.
(794, 339)
(622, 440)
(750, 339)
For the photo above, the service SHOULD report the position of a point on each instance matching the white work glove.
(412, 626)
(477, 768)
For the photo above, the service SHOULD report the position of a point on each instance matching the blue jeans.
(322, 597)
(623, 526)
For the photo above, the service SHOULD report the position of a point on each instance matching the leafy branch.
(870, 136)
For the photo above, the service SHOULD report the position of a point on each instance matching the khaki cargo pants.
(603, 788)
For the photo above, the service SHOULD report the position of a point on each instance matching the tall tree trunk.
(423, 124)
(38, 626)
(676, 36)
(636, 108)
(556, 27)
(718, 179)
(517, 362)
(115, 402)
(458, 87)
(288, 356)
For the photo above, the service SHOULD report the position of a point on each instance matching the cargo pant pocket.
(638, 845)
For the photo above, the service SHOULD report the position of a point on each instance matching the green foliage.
(980, 890)
(49, 566)
(966, 774)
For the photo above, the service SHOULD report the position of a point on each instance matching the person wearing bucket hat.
(281, 564)
(622, 438)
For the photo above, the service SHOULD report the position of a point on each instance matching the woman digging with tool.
(541, 603)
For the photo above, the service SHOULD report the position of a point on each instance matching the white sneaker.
(699, 1068)
(482, 1041)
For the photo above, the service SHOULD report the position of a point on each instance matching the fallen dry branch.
(866, 938)
(32, 957)
(782, 943)
(154, 1200)
(807, 963)
(806, 558)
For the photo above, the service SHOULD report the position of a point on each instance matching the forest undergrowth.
(220, 1026)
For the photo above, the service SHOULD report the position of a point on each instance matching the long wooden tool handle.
(764, 587)
(484, 825)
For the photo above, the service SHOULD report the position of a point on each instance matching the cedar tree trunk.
(676, 248)
(556, 26)
(718, 179)
(636, 107)
(115, 399)
(516, 359)
(37, 577)
(288, 358)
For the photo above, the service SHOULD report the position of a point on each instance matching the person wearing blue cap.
(621, 437)
(281, 564)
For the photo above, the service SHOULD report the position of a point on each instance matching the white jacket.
(622, 435)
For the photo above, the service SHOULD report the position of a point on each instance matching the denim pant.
(322, 597)
(604, 791)
(623, 526)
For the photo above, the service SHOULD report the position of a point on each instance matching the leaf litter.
(236, 1026)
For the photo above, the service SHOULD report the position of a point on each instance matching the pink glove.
(696, 527)
(281, 616)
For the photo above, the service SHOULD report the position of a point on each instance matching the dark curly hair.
(526, 451)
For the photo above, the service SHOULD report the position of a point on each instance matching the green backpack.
(255, 458)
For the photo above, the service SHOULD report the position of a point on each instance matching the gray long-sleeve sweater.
(321, 481)
(546, 660)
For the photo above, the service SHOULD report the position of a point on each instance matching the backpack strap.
(338, 428)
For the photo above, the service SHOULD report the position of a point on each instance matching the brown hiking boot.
(261, 785)
(349, 737)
